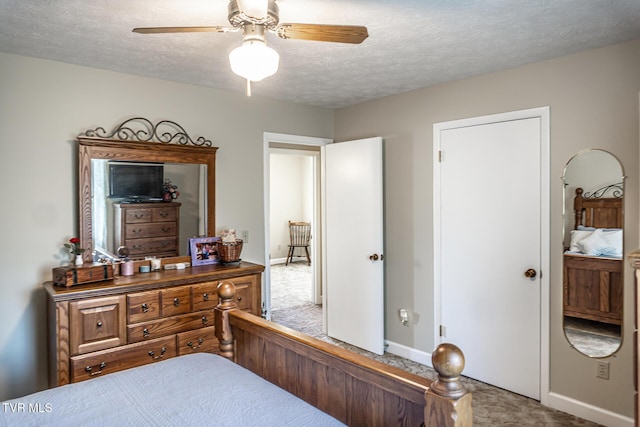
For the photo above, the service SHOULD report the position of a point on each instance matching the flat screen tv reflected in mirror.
(134, 181)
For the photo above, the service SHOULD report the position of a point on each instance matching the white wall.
(291, 192)
(593, 99)
(43, 106)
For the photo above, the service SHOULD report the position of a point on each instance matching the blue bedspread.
(193, 390)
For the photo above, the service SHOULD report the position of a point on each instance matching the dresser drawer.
(170, 325)
(175, 301)
(199, 340)
(97, 323)
(132, 216)
(204, 295)
(246, 293)
(145, 230)
(143, 306)
(154, 245)
(164, 214)
(244, 298)
(107, 361)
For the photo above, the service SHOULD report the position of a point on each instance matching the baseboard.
(587, 411)
(412, 354)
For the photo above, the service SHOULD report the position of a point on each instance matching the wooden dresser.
(99, 328)
(147, 229)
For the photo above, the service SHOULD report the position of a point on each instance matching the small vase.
(79, 260)
(126, 268)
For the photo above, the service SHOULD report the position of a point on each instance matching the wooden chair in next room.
(299, 234)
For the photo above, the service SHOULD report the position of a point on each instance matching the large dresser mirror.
(122, 191)
(593, 263)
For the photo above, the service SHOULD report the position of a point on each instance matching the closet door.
(488, 249)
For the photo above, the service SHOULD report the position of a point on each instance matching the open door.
(354, 243)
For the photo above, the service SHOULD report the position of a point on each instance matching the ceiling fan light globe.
(254, 60)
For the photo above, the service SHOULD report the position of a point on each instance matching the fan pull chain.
(248, 87)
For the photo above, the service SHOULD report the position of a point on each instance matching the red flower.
(74, 246)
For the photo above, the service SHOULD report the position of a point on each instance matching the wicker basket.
(229, 251)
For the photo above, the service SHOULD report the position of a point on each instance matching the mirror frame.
(139, 145)
(617, 192)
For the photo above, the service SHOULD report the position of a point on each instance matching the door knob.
(530, 273)
(374, 257)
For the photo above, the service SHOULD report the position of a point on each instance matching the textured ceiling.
(412, 43)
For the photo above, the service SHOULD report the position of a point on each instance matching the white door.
(488, 234)
(353, 209)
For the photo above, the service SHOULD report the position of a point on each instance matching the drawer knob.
(205, 296)
(89, 369)
(99, 324)
(166, 229)
(137, 231)
(145, 333)
(145, 307)
(138, 216)
(200, 341)
(176, 302)
(239, 299)
(162, 351)
(204, 320)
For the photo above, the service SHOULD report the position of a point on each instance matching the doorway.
(292, 192)
(295, 196)
(491, 232)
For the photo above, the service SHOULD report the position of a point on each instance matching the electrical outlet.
(245, 236)
(603, 370)
(404, 316)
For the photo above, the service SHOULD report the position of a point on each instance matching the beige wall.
(594, 103)
(593, 99)
(43, 106)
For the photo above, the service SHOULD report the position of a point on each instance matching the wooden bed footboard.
(593, 288)
(352, 388)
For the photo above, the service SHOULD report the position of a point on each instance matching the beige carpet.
(492, 406)
(592, 338)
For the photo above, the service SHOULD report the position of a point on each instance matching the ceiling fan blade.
(354, 34)
(162, 30)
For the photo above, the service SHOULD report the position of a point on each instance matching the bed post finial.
(577, 208)
(448, 361)
(226, 293)
(448, 403)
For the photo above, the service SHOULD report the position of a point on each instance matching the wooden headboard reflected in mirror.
(143, 144)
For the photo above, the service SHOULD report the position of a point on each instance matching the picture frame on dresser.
(203, 250)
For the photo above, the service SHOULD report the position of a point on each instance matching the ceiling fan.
(254, 60)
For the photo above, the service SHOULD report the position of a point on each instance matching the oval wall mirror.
(593, 261)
